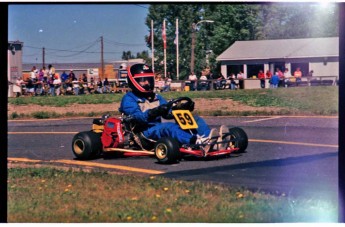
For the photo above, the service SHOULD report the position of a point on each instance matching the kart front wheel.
(240, 139)
(86, 145)
(167, 150)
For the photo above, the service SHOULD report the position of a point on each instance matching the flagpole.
(177, 52)
(152, 47)
(165, 50)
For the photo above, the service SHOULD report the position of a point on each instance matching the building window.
(303, 66)
(253, 70)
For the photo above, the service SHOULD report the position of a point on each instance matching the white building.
(14, 63)
(318, 54)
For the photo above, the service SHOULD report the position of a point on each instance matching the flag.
(164, 36)
(176, 37)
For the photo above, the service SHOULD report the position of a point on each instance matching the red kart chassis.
(123, 135)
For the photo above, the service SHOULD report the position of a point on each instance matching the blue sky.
(71, 32)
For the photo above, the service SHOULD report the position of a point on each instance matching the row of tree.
(233, 22)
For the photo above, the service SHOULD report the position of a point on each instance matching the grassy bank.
(295, 101)
(51, 195)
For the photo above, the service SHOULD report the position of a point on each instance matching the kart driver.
(147, 108)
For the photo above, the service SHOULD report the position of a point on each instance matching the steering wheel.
(182, 103)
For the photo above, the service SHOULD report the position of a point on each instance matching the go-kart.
(123, 136)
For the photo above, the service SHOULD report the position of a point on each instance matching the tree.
(127, 55)
(187, 14)
(234, 22)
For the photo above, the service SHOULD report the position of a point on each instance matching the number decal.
(185, 119)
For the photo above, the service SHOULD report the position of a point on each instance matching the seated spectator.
(192, 81)
(91, 86)
(233, 84)
(75, 83)
(57, 84)
(167, 84)
(99, 86)
(51, 86)
(81, 86)
(203, 83)
(30, 88)
(106, 86)
(221, 82)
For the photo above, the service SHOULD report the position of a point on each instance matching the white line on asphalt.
(263, 119)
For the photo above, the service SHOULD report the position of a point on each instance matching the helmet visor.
(147, 81)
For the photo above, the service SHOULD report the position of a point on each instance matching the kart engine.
(112, 135)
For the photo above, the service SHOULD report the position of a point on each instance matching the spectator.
(298, 75)
(281, 77)
(51, 86)
(106, 86)
(232, 82)
(240, 77)
(57, 84)
(203, 83)
(99, 86)
(40, 83)
(193, 80)
(45, 74)
(34, 74)
(167, 84)
(40, 75)
(221, 82)
(287, 76)
(84, 78)
(261, 77)
(90, 86)
(64, 77)
(310, 74)
(18, 86)
(75, 83)
(29, 86)
(51, 71)
(274, 80)
(268, 74)
(81, 85)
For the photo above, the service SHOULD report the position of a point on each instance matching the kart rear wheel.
(167, 150)
(87, 145)
(241, 139)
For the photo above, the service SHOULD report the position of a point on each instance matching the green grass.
(292, 101)
(51, 195)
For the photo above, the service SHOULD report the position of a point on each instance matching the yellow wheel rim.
(161, 151)
(79, 146)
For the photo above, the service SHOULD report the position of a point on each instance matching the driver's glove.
(158, 111)
(186, 106)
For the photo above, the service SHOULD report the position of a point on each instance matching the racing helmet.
(141, 79)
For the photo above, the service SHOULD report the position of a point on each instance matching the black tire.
(167, 150)
(87, 145)
(241, 139)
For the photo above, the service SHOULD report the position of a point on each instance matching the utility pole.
(43, 57)
(102, 58)
(193, 47)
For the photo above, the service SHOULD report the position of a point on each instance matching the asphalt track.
(291, 155)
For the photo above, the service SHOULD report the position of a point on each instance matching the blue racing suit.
(138, 108)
